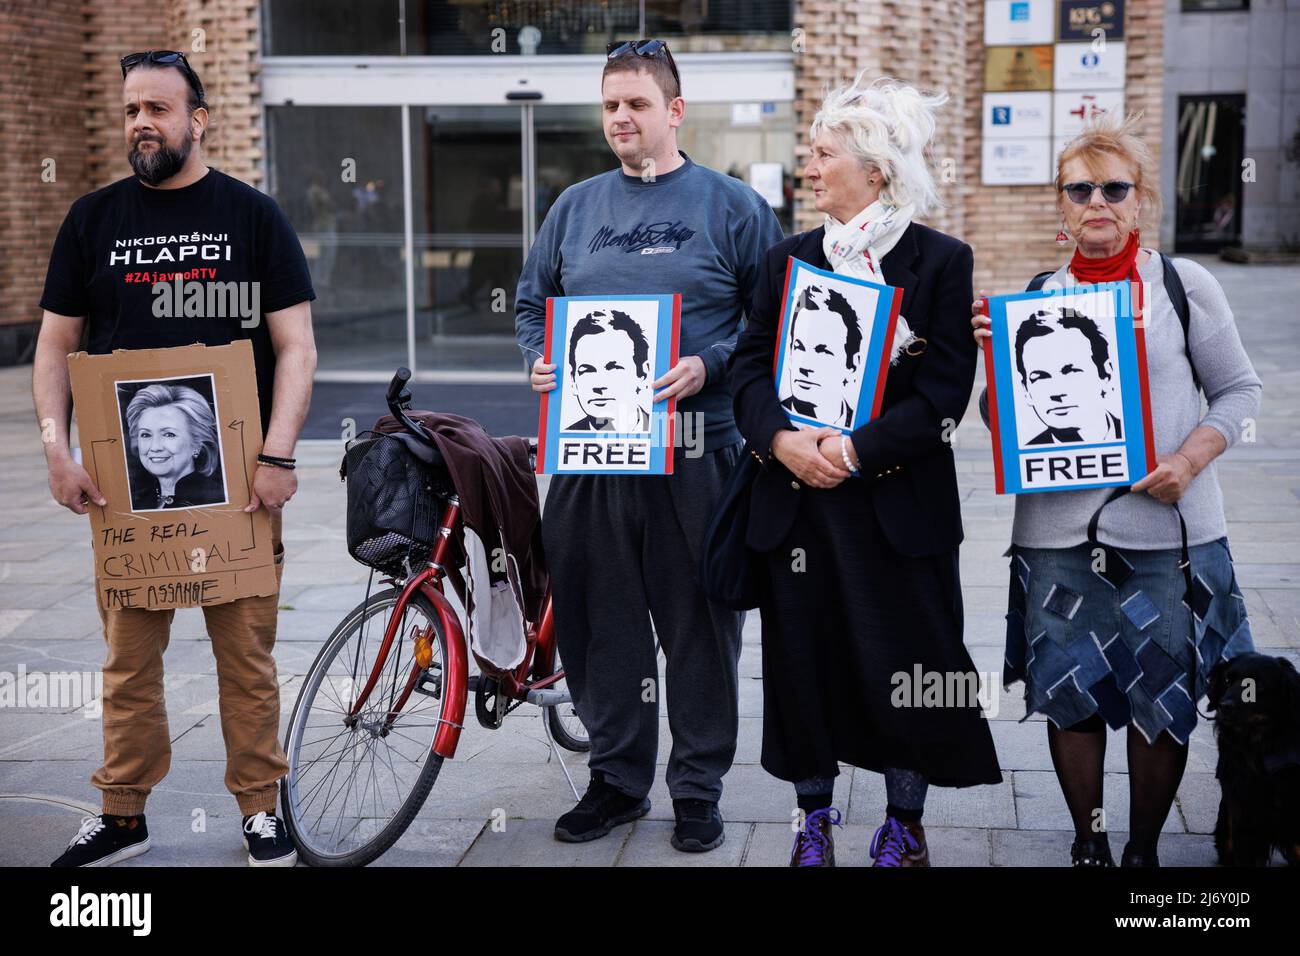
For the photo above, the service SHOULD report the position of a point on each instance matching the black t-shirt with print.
(116, 242)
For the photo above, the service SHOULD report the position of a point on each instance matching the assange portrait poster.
(1069, 400)
(171, 437)
(833, 346)
(601, 418)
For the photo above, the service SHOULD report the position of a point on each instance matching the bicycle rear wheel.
(355, 782)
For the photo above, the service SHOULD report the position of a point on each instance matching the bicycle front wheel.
(356, 781)
(566, 726)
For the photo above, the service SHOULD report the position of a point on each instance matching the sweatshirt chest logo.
(646, 238)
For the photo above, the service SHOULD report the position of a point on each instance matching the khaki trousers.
(137, 739)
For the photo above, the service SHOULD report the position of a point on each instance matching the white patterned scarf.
(856, 248)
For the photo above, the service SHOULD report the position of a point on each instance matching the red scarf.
(1122, 265)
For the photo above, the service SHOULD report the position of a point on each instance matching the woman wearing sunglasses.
(1100, 632)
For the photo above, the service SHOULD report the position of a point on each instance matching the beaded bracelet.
(288, 464)
(844, 451)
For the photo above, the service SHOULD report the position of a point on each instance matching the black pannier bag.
(394, 503)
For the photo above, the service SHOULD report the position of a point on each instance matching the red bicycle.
(383, 705)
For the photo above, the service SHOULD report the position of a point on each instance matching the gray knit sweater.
(1059, 519)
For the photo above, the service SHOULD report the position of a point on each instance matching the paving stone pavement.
(495, 804)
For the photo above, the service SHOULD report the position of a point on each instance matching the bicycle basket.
(393, 504)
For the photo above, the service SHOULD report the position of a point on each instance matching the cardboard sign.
(833, 346)
(1069, 402)
(608, 350)
(171, 438)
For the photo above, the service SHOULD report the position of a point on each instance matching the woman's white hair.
(887, 125)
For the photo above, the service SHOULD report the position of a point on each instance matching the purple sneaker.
(899, 844)
(813, 845)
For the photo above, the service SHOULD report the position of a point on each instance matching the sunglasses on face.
(167, 58)
(646, 48)
(1115, 191)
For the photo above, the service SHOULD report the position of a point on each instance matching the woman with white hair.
(173, 434)
(858, 533)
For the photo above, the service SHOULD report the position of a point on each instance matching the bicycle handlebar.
(398, 397)
(400, 378)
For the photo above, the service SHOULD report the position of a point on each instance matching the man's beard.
(161, 164)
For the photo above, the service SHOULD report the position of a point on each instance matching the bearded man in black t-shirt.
(177, 219)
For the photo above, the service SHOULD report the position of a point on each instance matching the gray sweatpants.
(622, 550)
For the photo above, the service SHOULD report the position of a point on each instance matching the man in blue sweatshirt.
(624, 549)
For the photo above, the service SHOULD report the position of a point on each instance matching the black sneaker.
(699, 826)
(268, 841)
(601, 808)
(105, 840)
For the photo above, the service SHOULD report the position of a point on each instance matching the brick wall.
(939, 44)
(43, 159)
(113, 28)
(61, 101)
(225, 55)
(921, 42)
(940, 53)
(1013, 228)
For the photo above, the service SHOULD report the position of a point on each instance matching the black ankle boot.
(1133, 857)
(1091, 851)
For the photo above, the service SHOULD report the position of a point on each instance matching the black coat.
(905, 454)
(195, 490)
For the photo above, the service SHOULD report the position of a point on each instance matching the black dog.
(1258, 728)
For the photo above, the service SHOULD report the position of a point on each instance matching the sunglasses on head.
(1114, 191)
(167, 58)
(646, 48)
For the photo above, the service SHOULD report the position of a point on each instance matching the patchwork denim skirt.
(1116, 637)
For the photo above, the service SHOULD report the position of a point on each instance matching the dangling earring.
(1061, 237)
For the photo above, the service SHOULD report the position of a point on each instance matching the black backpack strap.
(1037, 281)
(1178, 299)
(1117, 492)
